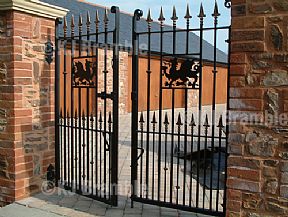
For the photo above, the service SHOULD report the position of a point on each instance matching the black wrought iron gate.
(179, 153)
(86, 103)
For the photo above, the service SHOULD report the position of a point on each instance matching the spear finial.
(106, 19)
(220, 124)
(65, 26)
(149, 19)
(97, 20)
(192, 123)
(72, 25)
(174, 16)
(154, 119)
(216, 11)
(201, 14)
(110, 118)
(179, 122)
(141, 118)
(206, 123)
(188, 16)
(161, 17)
(166, 121)
(80, 20)
(88, 21)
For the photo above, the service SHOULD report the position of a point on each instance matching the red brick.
(247, 174)
(248, 35)
(237, 81)
(248, 47)
(238, 58)
(237, 161)
(238, 70)
(245, 185)
(234, 205)
(22, 65)
(21, 113)
(247, 104)
(248, 22)
(234, 195)
(21, 73)
(247, 93)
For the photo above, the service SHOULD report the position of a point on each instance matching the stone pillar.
(26, 96)
(258, 162)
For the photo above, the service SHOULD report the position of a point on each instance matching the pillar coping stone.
(34, 7)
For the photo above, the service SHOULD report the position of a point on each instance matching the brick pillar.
(27, 97)
(258, 164)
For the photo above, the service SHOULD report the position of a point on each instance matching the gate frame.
(134, 96)
(115, 98)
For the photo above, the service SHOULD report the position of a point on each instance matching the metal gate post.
(134, 97)
(57, 101)
(114, 148)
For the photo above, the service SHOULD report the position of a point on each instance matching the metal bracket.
(51, 174)
(49, 51)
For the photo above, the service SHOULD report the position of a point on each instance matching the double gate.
(178, 155)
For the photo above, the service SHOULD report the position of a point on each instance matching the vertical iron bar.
(80, 175)
(215, 15)
(100, 154)
(192, 125)
(179, 124)
(174, 18)
(57, 102)
(76, 154)
(206, 125)
(96, 100)
(220, 127)
(149, 20)
(114, 147)
(166, 123)
(187, 17)
(83, 147)
(66, 184)
(73, 161)
(134, 95)
(88, 102)
(154, 122)
(201, 16)
(141, 163)
(105, 100)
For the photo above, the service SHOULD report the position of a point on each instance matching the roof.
(77, 7)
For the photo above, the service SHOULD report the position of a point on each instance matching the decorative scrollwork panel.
(84, 72)
(179, 74)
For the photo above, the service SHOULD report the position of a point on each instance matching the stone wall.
(258, 162)
(26, 104)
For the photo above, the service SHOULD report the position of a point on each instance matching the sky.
(155, 5)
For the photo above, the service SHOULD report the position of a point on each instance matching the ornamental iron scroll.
(184, 76)
(84, 75)
(228, 3)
